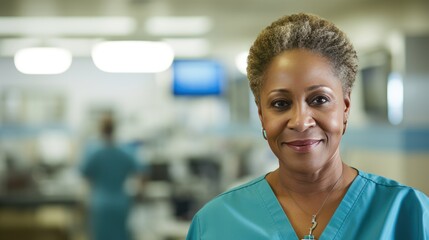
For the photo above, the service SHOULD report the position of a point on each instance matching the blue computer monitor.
(197, 78)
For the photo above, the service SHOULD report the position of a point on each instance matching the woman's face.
(303, 110)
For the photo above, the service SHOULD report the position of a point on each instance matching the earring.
(264, 134)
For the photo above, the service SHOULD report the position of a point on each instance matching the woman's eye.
(319, 100)
(280, 104)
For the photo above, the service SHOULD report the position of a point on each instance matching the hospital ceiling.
(233, 24)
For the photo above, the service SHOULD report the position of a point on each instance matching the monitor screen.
(374, 74)
(374, 83)
(197, 77)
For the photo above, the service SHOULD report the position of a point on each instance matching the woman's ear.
(347, 104)
(261, 117)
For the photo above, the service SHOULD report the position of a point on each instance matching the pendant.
(313, 226)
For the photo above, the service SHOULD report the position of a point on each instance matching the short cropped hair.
(302, 31)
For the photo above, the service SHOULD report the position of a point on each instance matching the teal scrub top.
(107, 167)
(374, 207)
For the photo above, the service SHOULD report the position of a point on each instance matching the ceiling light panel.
(43, 60)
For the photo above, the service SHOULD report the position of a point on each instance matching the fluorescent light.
(241, 62)
(44, 60)
(132, 56)
(93, 26)
(189, 47)
(395, 98)
(178, 26)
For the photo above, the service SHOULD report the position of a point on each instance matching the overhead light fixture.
(178, 26)
(189, 47)
(77, 26)
(241, 62)
(42, 60)
(132, 56)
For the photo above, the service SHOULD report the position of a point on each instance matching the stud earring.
(264, 134)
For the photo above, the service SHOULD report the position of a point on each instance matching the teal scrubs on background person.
(107, 167)
(374, 207)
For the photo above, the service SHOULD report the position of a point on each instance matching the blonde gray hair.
(302, 31)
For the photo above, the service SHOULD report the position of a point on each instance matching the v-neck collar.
(283, 225)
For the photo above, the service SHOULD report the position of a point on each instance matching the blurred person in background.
(301, 70)
(107, 167)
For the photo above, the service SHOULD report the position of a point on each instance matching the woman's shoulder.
(244, 185)
(386, 186)
(380, 180)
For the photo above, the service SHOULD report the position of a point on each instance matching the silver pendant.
(313, 226)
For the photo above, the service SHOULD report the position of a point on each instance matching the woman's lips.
(303, 146)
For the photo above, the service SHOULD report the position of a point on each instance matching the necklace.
(314, 216)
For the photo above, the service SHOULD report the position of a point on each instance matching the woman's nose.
(300, 118)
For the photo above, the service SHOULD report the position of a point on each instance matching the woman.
(301, 70)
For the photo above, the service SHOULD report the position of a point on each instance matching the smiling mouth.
(303, 146)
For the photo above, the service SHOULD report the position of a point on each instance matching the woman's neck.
(307, 184)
